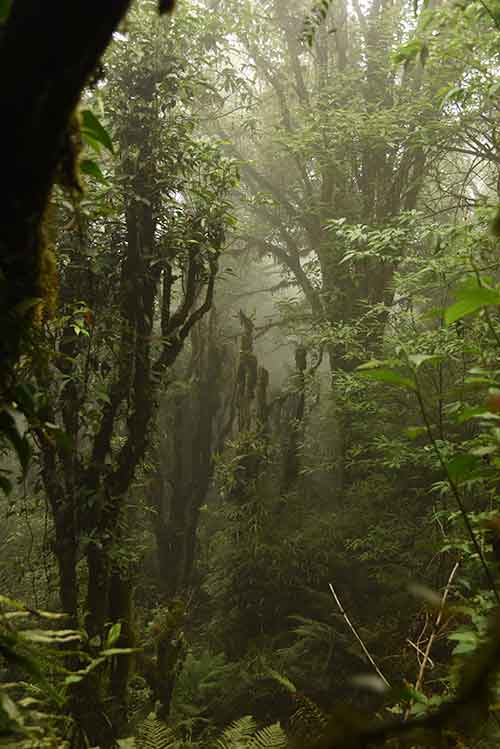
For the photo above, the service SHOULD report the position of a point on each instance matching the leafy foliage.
(242, 734)
(346, 437)
(154, 734)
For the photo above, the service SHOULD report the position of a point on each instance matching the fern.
(238, 734)
(154, 734)
(270, 737)
(308, 721)
(242, 734)
(283, 680)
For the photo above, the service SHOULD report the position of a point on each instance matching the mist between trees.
(250, 374)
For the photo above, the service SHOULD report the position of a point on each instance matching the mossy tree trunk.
(48, 51)
(88, 497)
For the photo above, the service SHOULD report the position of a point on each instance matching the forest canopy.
(250, 374)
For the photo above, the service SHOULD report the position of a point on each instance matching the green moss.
(47, 279)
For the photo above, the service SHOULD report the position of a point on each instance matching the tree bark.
(47, 53)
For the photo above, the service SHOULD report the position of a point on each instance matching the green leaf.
(10, 708)
(92, 169)
(93, 130)
(483, 450)
(418, 359)
(283, 680)
(464, 647)
(408, 693)
(113, 634)
(377, 363)
(74, 678)
(470, 412)
(110, 652)
(408, 51)
(469, 301)
(414, 433)
(454, 94)
(77, 676)
(467, 642)
(462, 467)
(391, 376)
(12, 603)
(50, 636)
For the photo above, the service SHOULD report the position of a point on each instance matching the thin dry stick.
(426, 659)
(356, 634)
(420, 652)
(421, 637)
(434, 632)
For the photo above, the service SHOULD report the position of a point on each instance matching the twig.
(474, 693)
(434, 632)
(356, 634)
(420, 652)
(426, 659)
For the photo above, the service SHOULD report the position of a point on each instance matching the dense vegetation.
(250, 374)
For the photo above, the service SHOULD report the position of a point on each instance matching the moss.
(47, 280)
(68, 172)
(68, 177)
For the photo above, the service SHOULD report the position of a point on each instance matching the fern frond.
(308, 721)
(270, 737)
(313, 630)
(238, 734)
(283, 680)
(154, 734)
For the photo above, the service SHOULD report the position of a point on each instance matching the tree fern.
(154, 734)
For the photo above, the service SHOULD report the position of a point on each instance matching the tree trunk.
(40, 91)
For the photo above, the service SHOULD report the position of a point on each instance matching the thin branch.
(356, 634)
(426, 654)
(436, 626)
(475, 691)
(420, 652)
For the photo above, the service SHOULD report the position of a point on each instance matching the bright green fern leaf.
(154, 734)
(283, 680)
(270, 737)
(238, 734)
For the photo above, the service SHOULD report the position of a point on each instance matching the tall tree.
(143, 254)
(340, 136)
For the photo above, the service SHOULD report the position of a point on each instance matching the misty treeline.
(250, 375)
